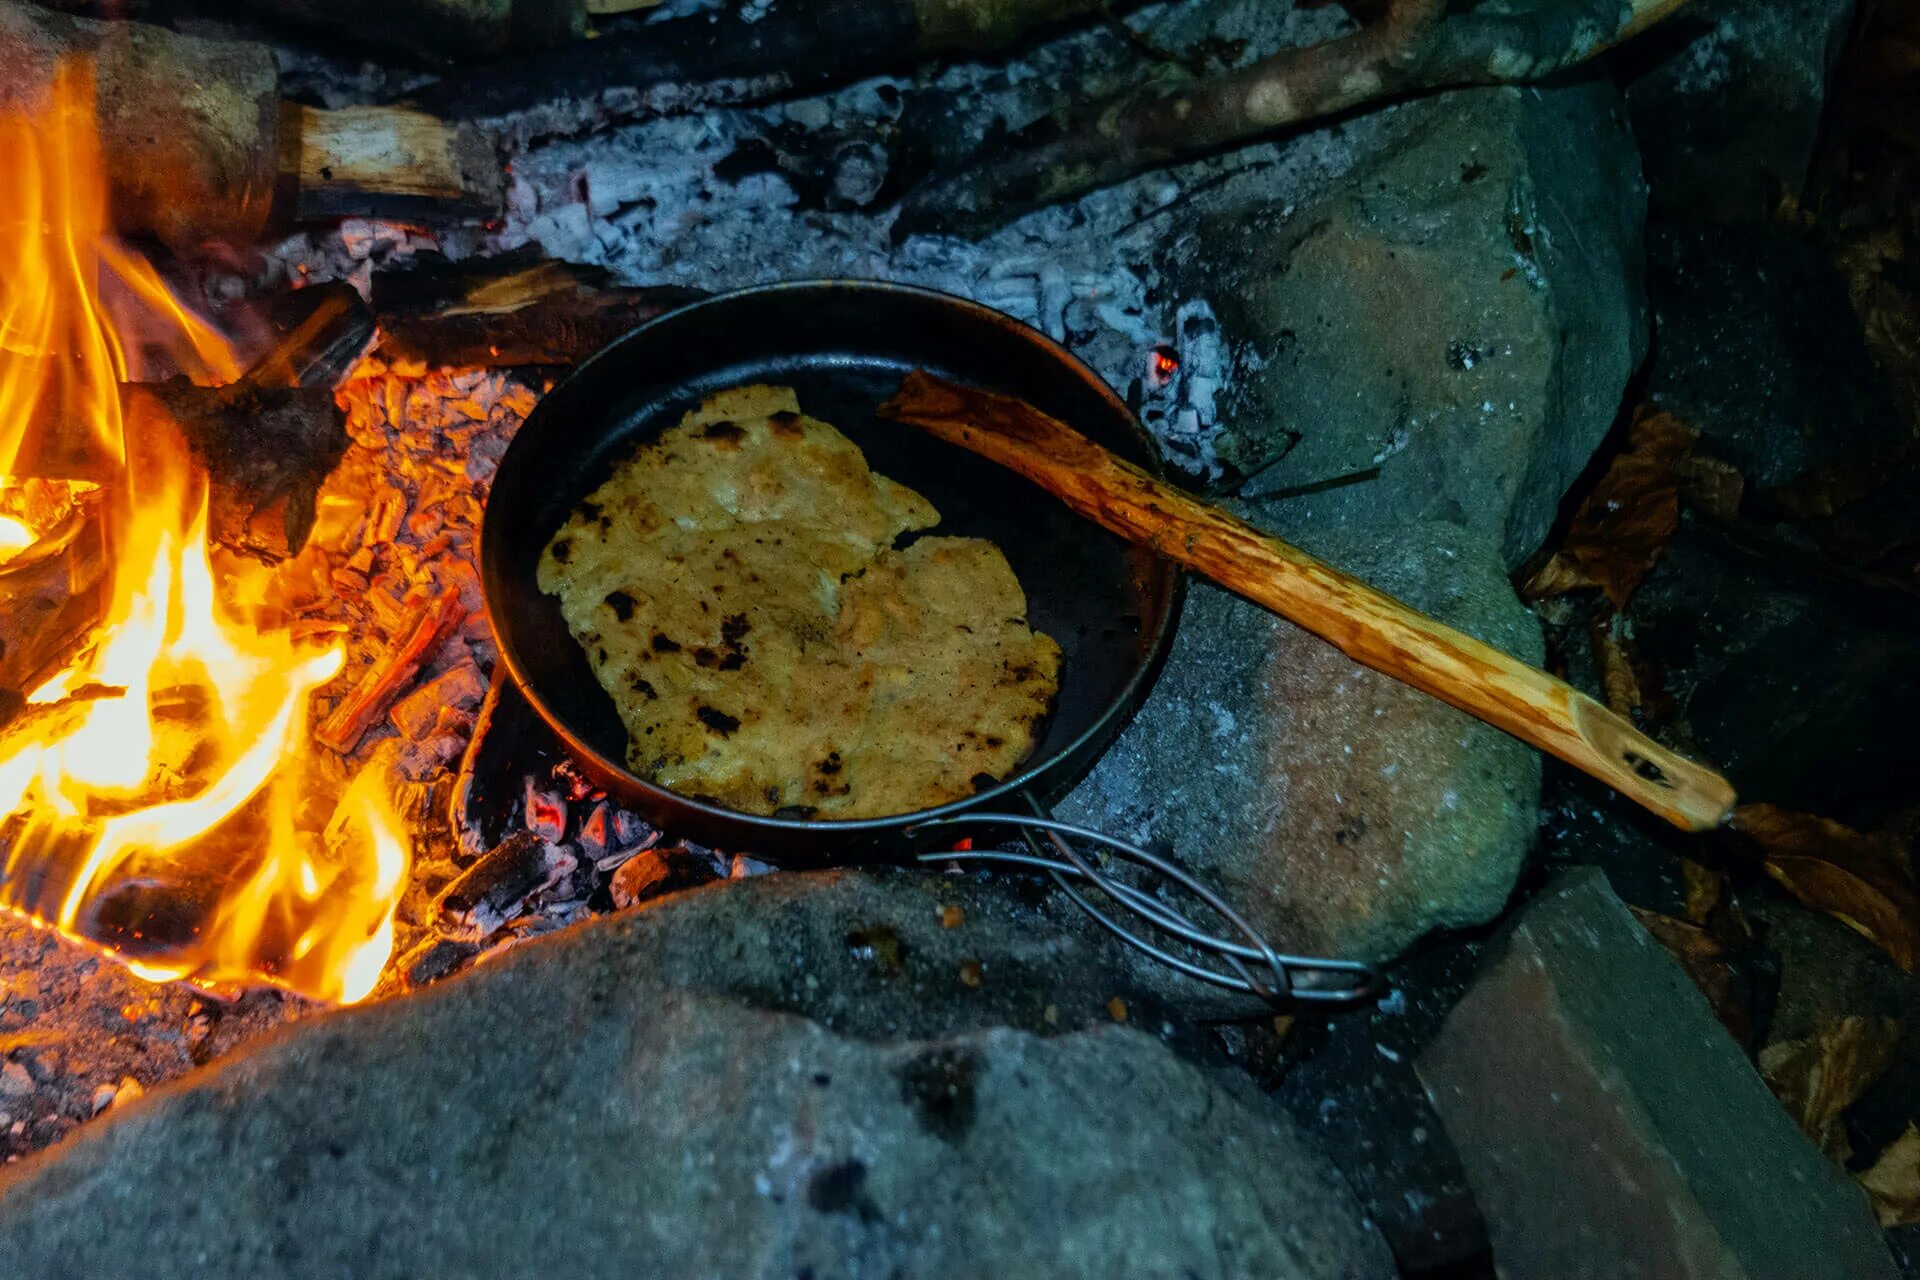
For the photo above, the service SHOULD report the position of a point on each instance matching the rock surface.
(1611, 1128)
(1463, 311)
(1727, 107)
(1343, 811)
(576, 1110)
(1801, 686)
(1760, 351)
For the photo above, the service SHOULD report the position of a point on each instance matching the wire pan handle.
(1253, 965)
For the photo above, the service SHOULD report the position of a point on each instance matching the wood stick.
(1367, 625)
(367, 701)
(1418, 46)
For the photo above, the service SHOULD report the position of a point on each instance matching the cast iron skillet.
(844, 346)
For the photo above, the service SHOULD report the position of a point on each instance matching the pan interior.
(844, 349)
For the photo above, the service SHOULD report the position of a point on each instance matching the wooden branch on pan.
(1419, 46)
(503, 312)
(1367, 625)
(377, 687)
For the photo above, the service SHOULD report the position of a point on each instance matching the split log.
(710, 59)
(385, 162)
(368, 700)
(1367, 625)
(1419, 46)
(508, 311)
(196, 148)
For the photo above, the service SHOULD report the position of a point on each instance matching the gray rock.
(1345, 812)
(1728, 112)
(1462, 311)
(1611, 1128)
(572, 1110)
(1761, 352)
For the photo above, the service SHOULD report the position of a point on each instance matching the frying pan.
(844, 346)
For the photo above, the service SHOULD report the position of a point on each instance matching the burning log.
(1367, 625)
(266, 451)
(188, 125)
(367, 701)
(1419, 46)
(731, 57)
(508, 311)
(199, 147)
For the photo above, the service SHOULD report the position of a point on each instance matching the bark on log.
(509, 312)
(1420, 45)
(798, 45)
(196, 148)
(187, 125)
(1367, 625)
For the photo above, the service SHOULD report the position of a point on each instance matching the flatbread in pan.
(736, 589)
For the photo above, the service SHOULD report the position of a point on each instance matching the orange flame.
(166, 773)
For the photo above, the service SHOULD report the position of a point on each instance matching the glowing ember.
(15, 536)
(160, 791)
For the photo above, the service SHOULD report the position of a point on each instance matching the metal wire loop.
(1253, 965)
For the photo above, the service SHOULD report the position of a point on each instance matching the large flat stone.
(1611, 1128)
(1344, 812)
(591, 1105)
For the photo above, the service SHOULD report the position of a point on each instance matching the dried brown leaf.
(1618, 681)
(1864, 881)
(1706, 887)
(1893, 1184)
(1623, 527)
(1713, 486)
(1818, 1078)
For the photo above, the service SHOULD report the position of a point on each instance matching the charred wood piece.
(322, 332)
(266, 451)
(434, 959)
(495, 889)
(653, 873)
(509, 312)
(720, 59)
(1419, 46)
(378, 685)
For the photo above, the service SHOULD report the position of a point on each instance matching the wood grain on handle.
(1367, 625)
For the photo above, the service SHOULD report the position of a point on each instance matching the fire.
(162, 797)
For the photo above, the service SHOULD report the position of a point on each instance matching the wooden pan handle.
(1367, 625)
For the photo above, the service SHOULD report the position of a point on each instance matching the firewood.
(266, 451)
(508, 312)
(198, 146)
(386, 161)
(712, 58)
(1367, 625)
(368, 700)
(1419, 46)
(187, 125)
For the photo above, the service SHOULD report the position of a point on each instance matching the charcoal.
(546, 812)
(595, 832)
(434, 959)
(495, 889)
(651, 873)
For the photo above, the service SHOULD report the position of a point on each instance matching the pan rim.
(1096, 737)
